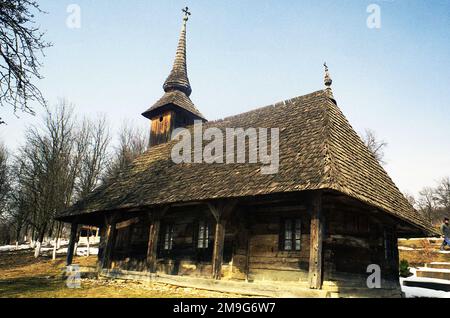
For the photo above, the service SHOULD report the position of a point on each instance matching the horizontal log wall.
(354, 239)
(185, 258)
(266, 260)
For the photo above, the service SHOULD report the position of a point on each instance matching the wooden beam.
(101, 246)
(247, 256)
(152, 248)
(127, 223)
(72, 241)
(110, 238)
(155, 217)
(219, 240)
(221, 211)
(315, 258)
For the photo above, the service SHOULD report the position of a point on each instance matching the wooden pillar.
(219, 240)
(110, 238)
(394, 262)
(221, 212)
(101, 246)
(247, 256)
(315, 256)
(155, 217)
(72, 241)
(152, 249)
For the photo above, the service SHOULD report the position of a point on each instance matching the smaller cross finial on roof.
(186, 13)
(328, 80)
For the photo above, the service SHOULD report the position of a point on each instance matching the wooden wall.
(161, 128)
(353, 239)
(267, 261)
(130, 246)
(185, 258)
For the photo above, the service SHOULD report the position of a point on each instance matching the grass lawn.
(21, 275)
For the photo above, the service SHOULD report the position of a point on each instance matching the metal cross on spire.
(186, 13)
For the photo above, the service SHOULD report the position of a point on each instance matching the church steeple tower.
(175, 109)
(178, 78)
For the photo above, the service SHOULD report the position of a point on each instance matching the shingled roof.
(318, 150)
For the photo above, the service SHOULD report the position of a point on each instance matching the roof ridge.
(330, 168)
(274, 105)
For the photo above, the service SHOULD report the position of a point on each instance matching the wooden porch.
(327, 248)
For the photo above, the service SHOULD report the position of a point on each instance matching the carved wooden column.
(221, 212)
(155, 217)
(72, 241)
(315, 256)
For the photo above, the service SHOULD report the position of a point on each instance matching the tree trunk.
(77, 241)
(54, 248)
(37, 249)
(32, 238)
(71, 246)
(40, 239)
(88, 247)
(60, 228)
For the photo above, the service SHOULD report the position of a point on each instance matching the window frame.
(291, 241)
(203, 231)
(167, 238)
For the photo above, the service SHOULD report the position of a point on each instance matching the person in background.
(445, 232)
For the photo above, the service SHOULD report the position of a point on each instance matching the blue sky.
(246, 54)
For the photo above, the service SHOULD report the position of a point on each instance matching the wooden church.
(316, 225)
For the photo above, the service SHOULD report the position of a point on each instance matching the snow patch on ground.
(81, 251)
(419, 292)
(47, 248)
(9, 248)
(421, 239)
(405, 248)
(430, 269)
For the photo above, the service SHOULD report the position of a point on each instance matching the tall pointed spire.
(177, 87)
(178, 78)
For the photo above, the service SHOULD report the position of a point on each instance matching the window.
(168, 238)
(291, 235)
(203, 235)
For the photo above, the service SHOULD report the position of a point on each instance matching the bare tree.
(443, 193)
(94, 140)
(375, 146)
(427, 202)
(132, 143)
(5, 180)
(411, 199)
(47, 164)
(21, 46)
